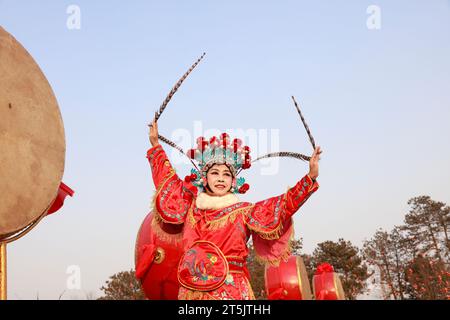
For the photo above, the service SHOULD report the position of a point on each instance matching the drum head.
(31, 139)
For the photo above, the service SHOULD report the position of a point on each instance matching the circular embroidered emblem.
(203, 267)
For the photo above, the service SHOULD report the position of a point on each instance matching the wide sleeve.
(173, 198)
(271, 223)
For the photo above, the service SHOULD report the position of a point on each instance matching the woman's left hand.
(314, 164)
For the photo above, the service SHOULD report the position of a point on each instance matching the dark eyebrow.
(224, 171)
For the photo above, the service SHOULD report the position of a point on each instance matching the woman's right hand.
(154, 140)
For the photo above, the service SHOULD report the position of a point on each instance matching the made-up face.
(219, 179)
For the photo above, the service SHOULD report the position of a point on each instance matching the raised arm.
(172, 199)
(268, 215)
(271, 220)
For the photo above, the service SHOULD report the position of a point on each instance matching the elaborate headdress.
(222, 150)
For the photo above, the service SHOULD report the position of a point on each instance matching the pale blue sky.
(377, 101)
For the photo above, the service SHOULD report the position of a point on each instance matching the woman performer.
(216, 225)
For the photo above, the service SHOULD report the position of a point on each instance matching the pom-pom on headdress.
(220, 150)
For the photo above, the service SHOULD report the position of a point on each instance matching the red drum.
(288, 281)
(327, 284)
(63, 192)
(158, 251)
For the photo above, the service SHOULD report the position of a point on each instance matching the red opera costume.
(216, 231)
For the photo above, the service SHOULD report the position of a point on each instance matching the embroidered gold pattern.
(284, 255)
(164, 236)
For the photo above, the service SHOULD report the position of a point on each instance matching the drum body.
(158, 251)
(32, 139)
(288, 281)
(327, 286)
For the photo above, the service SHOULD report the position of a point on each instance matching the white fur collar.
(205, 201)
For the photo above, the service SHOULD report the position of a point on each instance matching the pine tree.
(123, 286)
(427, 223)
(377, 253)
(428, 279)
(413, 259)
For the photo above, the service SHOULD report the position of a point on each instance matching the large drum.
(288, 281)
(158, 251)
(31, 139)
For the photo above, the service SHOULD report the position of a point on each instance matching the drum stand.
(3, 243)
(2, 270)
